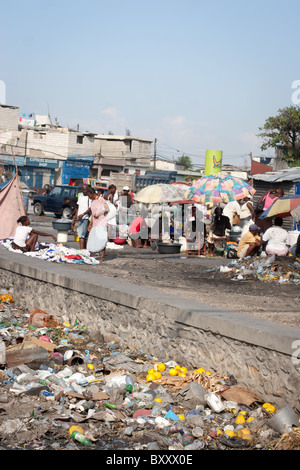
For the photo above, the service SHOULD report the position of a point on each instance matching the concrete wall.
(9, 118)
(258, 353)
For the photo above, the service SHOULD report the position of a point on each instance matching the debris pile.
(63, 387)
(281, 269)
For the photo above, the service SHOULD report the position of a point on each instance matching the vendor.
(217, 236)
(138, 231)
(263, 204)
(276, 239)
(26, 237)
(250, 243)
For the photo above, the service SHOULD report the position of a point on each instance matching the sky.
(195, 75)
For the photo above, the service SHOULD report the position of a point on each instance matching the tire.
(38, 208)
(66, 213)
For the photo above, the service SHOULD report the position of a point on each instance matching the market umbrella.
(286, 206)
(219, 188)
(161, 193)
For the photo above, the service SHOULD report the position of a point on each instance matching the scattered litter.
(281, 269)
(61, 389)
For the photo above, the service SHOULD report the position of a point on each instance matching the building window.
(80, 139)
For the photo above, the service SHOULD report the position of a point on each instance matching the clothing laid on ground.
(21, 235)
(276, 238)
(244, 243)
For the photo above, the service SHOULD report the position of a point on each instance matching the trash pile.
(281, 269)
(63, 387)
(56, 253)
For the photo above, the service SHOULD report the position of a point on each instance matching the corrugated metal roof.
(288, 174)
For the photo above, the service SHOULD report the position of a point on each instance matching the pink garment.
(98, 208)
(269, 201)
(137, 225)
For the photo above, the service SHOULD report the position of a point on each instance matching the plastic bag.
(97, 239)
(112, 211)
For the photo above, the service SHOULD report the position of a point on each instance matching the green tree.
(185, 161)
(282, 132)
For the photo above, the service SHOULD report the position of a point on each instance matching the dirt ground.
(200, 279)
(197, 278)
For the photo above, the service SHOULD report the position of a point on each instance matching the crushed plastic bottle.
(78, 436)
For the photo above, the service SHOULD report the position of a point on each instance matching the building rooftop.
(288, 174)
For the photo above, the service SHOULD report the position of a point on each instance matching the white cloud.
(110, 111)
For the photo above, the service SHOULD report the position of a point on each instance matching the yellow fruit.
(244, 433)
(181, 374)
(200, 371)
(151, 371)
(157, 375)
(183, 369)
(159, 400)
(250, 419)
(243, 413)
(230, 433)
(177, 367)
(150, 377)
(76, 428)
(173, 371)
(181, 417)
(269, 408)
(90, 366)
(207, 372)
(161, 367)
(240, 419)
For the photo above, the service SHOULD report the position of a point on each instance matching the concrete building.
(44, 154)
(120, 153)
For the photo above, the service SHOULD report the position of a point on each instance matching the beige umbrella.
(161, 193)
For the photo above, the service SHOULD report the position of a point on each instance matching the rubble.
(281, 269)
(61, 389)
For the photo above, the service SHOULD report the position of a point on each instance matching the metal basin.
(61, 225)
(168, 248)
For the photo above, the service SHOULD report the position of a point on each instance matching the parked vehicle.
(55, 201)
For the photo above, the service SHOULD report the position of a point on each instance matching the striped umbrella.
(216, 189)
(286, 206)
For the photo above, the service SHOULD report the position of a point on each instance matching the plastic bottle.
(60, 382)
(81, 438)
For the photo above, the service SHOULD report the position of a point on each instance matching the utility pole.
(154, 159)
